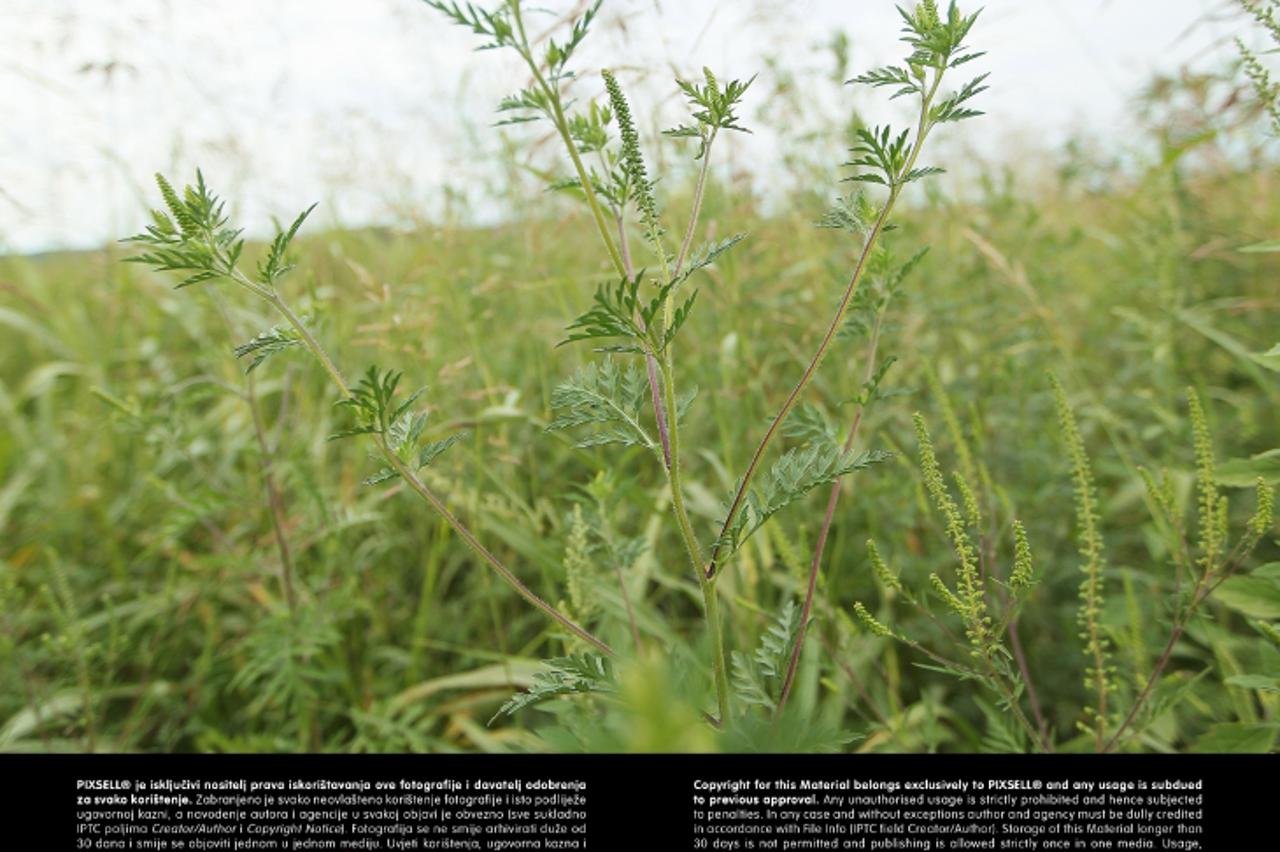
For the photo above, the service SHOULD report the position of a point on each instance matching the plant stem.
(816, 563)
(562, 126)
(674, 474)
(650, 363)
(1011, 702)
(483, 552)
(710, 602)
(922, 132)
(1165, 656)
(1033, 697)
(274, 498)
(661, 374)
(424, 492)
(311, 343)
(740, 496)
(698, 192)
(631, 613)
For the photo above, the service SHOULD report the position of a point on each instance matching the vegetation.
(797, 487)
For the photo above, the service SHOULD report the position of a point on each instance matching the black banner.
(606, 802)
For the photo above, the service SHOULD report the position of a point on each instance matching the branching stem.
(739, 498)
(828, 518)
(314, 347)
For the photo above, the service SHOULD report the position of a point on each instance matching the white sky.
(375, 107)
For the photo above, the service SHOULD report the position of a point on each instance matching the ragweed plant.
(191, 235)
(987, 597)
(642, 312)
(1266, 14)
(639, 313)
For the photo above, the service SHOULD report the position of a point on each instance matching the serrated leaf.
(574, 674)
(606, 396)
(1002, 736)
(612, 315)
(275, 264)
(351, 432)
(432, 450)
(758, 679)
(810, 424)
(795, 474)
(852, 213)
(266, 344)
(709, 253)
(381, 476)
(924, 171)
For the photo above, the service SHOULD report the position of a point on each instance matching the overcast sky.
(377, 107)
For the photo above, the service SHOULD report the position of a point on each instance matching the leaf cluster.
(620, 312)
(496, 25)
(714, 109)
(189, 235)
(885, 157)
(1266, 13)
(799, 471)
(266, 344)
(608, 397)
(570, 675)
(376, 411)
(757, 679)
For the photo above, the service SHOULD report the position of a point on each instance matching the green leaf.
(1266, 246)
(1237, 738)
(267, 344)
(1269, 359)
(609, 398)
(433, 449)
(613, 316)
(1270, 571)
(757, 679)
(1261, 683)
(575, 674)
(1257, 597)
(708, 254)
(191, 235)
(1244, 473)
(713, 108)
(852, 213)
(384, 475)
(795, 474)
(810, 424)
(1003, 736)
(276, 264)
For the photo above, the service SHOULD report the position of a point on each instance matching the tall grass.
(154, 501)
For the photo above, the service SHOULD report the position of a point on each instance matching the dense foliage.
(1045, 449)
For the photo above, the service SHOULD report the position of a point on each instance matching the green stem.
(671, 438)
(710, 603)
(698, 193)
(311, 343)
(739, 498)
(425, 493)
(562, 127)
(275, 498)
(671, 442)
(815, 564)
(483, 552)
